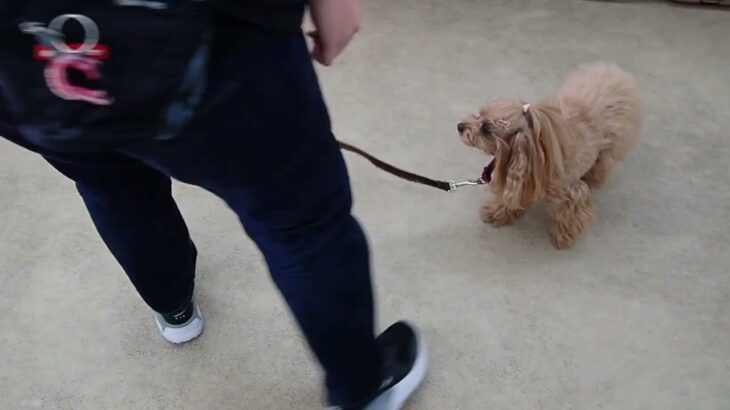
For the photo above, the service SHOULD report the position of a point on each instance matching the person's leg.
(266, 148)
(136, 216)
(318, 257)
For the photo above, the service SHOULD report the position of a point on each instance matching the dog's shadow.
(466, 246)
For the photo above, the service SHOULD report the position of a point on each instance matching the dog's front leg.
(495, 213)
(571, 213)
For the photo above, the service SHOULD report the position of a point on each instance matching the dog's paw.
(498, 215)
(561, 240)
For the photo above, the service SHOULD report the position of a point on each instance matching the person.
(260, 140)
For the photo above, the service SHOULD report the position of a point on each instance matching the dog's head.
(524, 141)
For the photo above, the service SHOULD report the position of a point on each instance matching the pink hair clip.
(525, 108)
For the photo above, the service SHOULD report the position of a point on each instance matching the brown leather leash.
(447, 186)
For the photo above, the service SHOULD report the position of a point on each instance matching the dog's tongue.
(488, 170)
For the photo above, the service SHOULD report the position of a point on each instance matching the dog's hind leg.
(571, 213)
(497, 214)
(598, 175)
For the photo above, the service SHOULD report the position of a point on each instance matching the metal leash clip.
(453, 185)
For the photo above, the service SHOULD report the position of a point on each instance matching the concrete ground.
(635, 317)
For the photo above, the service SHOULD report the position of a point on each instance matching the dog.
(558, 150)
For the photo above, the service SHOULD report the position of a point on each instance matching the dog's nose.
(461, 127)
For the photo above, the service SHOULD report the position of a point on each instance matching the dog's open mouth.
(488, 171)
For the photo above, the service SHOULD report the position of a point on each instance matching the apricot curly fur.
(558, 150)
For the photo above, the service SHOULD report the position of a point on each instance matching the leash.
(447, 186)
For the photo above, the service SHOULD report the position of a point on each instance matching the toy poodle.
(558, 150)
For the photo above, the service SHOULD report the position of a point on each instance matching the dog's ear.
(550, 133)
(529, 159)
(517, 170)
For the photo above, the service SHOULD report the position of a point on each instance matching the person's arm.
(336, 22)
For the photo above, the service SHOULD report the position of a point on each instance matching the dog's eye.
(485, 128)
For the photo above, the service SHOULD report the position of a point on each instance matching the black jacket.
(149, 88)
(274, 14)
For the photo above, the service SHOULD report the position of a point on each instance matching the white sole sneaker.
(183, 332)
(405, 364)
(395, 393)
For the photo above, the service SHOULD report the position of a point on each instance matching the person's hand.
(336, 22)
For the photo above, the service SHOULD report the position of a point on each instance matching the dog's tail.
(612, 97)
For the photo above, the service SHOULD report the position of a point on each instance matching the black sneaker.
(405, 361)
(182, 326)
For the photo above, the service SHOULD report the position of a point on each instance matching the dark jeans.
(263, 144)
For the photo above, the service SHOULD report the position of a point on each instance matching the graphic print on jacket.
(77, 75)
(84, 57)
